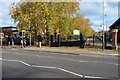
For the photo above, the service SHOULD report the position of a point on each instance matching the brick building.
(115, 32)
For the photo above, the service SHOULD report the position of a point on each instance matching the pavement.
(73, 51)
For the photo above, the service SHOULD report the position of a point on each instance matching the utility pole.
(22, 38)
(1, 37)
(29, 28)
(103, 44)
(106, 22)
(30, 39)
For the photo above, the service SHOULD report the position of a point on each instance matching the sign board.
(114, 30)
(76, 32)
(1, 35)
(23, 30)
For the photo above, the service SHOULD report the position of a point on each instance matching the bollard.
(93, 40)
(39, 40)
(12, 44)
(39, 44)
(9, 44)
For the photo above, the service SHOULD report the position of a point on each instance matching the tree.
(83, 24)
(43, 16)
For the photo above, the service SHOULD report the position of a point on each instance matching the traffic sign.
(76, 32)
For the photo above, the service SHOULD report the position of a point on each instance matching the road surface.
(17, 63)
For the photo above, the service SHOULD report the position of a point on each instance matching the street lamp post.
(106, 21)
(103, 29)
(83, 27)
(1, 37)
(29, 28)
(22, 38)
(30, 39)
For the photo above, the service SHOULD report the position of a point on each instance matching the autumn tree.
(83, 24)
(49, 16)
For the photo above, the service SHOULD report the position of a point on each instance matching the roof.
(115, 23)
(7, 27)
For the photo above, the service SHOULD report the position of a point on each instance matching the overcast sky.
(91, 9)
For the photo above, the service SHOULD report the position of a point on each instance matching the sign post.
(1, 37)
(76, 33)
(22, 36)
(30, 39)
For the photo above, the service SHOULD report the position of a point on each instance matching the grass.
(119, 50)
(87, 48)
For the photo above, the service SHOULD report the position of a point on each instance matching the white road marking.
(15, 61)
(16, 53)
(93, 77)
(112, 63)
(25, 63)
(69, 59)
(13, 49)
(82, 61)
(43, 66)
(70, 72)
(99, 62)
(11, 60)
(21, 54)
(49, 67)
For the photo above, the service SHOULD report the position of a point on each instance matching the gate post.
(105, 40)
(81, 41)
(51, 40)
(58, 40)
(114, 39)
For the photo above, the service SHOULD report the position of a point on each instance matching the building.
(116, 25)
(115, 32)
(7, 32)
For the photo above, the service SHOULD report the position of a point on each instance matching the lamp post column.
(103, 29)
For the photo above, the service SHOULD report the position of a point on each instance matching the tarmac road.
(18, 63)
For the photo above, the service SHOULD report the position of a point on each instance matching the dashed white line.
(112, 63)
(16, 53)
(71, 59)
(99, 62)
(10, 60)
(82, 61)
(21, 54)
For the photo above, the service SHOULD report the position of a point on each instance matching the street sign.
(1, 35)
(76, 32)
(23, 30)
(114, 30)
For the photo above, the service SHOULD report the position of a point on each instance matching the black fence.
(58, 41)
